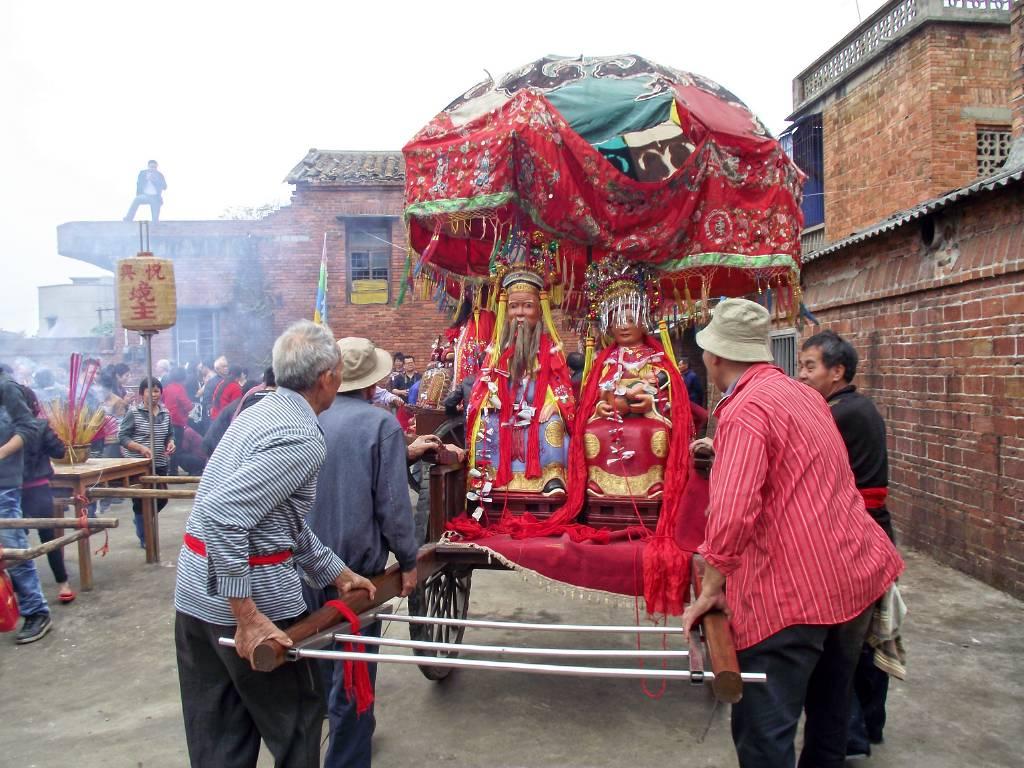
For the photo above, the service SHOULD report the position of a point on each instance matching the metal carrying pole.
(485, 624)
(514, 666)
(511, 650)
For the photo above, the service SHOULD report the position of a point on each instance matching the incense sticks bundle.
(75, 421)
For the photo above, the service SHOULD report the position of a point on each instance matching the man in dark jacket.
(149, 189)
(16, 431)
(828, 363)
(362, 512)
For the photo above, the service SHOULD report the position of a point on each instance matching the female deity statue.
(635, 420)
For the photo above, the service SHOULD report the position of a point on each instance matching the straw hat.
(362, 364)
(740, 330)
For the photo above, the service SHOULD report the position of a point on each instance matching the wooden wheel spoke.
(444, 595)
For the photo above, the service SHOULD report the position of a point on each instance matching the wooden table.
(80, 478)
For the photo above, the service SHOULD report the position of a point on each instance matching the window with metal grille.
(195, 335)
(368, 251)
(804, 143)
(784, 350)
(993, 148)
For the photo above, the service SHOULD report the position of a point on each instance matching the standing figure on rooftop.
(149, 189)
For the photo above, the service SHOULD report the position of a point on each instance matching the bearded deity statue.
(634, 415)
(521, 407)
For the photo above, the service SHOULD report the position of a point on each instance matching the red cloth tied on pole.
(357, 673)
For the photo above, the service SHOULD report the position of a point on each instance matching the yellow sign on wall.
(368, 292)
(146, 296)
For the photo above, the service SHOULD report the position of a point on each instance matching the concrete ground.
(101, 690)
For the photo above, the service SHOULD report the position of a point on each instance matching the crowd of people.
(188, 407)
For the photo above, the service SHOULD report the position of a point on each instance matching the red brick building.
(240, 283)
(914, 102)
(922, 98)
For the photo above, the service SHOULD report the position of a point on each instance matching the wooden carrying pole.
(150, 520)
(138, 492)
(58, 522)
(727, 684)
(269, 655)
(42, 549)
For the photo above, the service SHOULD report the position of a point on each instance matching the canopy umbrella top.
(605, 155)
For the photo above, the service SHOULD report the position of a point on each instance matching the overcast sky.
(229, 96)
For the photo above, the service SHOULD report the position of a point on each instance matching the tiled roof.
(1001, 179)
(323, 166)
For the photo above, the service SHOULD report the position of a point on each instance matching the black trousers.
(867, 710)
(810, 669)
(178, 435)
(228, 707)
(38, 502)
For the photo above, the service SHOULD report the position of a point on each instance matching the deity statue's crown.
(615, 285)
(525, 262)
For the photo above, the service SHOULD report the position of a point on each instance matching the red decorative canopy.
(606, 155)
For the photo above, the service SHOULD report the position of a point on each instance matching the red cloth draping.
(612, 563)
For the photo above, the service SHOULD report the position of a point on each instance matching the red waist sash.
(276, 558)
(874, 498)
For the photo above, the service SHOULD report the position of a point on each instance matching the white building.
(83, 307)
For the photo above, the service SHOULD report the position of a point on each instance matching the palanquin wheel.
(444, 595)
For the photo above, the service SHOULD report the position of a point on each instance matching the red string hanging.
(357, 673)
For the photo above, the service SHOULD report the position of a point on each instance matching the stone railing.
(889, 23)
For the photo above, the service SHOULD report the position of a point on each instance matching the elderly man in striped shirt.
(237, 573)
(791, 551)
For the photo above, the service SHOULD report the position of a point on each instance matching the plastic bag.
(8, 604)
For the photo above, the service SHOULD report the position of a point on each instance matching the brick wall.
(941, 338)
(264, 276)
(1017, 50)
(290, 249)
(907, 132)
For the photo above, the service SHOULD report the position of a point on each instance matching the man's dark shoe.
(34, 628)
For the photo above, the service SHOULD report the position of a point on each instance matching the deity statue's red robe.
(469, 343)
(626, 449)
(518, 432)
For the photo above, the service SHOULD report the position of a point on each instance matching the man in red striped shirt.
(788, 535)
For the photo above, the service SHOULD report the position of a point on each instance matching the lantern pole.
(148, 338)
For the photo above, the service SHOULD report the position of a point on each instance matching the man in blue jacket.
(16, 430)
(149, 189)
(362, 512)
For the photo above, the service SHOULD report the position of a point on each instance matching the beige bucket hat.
(740, 330)
(362, 364)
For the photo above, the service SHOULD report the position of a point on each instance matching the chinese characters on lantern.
(146, 294)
